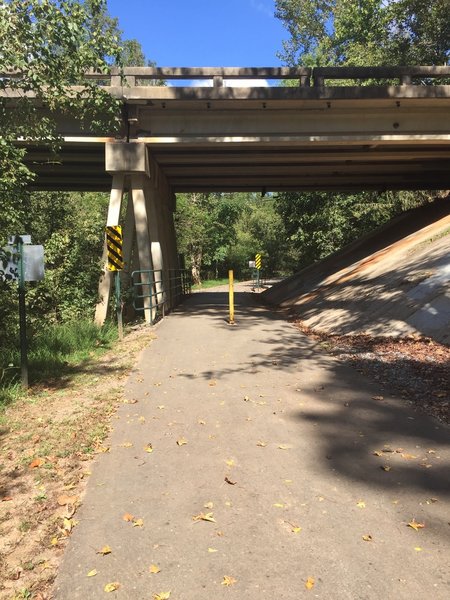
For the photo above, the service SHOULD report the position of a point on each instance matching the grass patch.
(209, 283)
(52, 353)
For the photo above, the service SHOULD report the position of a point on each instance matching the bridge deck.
(311, 136)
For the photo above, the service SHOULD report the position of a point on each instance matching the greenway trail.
(248, 464)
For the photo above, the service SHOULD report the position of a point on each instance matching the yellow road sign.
(258, 261)
(114, 247)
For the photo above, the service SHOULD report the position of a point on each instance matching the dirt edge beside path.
(413, 368)
(48, 441)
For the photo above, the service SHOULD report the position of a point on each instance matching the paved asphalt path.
(280, 449)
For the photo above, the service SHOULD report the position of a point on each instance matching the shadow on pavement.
(354, 420)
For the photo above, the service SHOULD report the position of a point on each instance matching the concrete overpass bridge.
(343, 128)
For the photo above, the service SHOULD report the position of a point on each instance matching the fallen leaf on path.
(228, 580)
(126, 445)
(379, 398)
(54, 541)
(246, 398)
(418, 549)
(105, 550)
(367, 537)
(201, 422)
(112, 587)
(407, 456)
(212, 550)
(278, 505)
(149, 448)
(209, 505)
(361, 504)
(182, 441)
(284, 446)
(230, 462)
(64, 500)
(261, 444)
(162, 596)
(92, 573)
(385, 467)
(309, 584)
(229, 481)
(212, 383)
(68, 525)
(127, 517)
(138, 523)
(154, 569)
(219, 533)
(415, 525)
(37, 462)
(204, 517)
(377, 453)
(130, 401)
(142, 419)
(161, 407)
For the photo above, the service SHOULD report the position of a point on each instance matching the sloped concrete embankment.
(394, 281)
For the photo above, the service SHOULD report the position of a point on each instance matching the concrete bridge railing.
(315, 77)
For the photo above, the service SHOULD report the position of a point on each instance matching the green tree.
(365, 32)
(354, 33)
(46, 46)
(206, 228)
(259, 229)
(319, 223)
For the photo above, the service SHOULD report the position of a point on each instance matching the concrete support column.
(104, 286)
(166, 207)
(129, 235)
(138, 188)
(155, 240)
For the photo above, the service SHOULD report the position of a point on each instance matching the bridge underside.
(269, 139)
(180, 139)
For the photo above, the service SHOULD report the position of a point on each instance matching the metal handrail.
(159, 299)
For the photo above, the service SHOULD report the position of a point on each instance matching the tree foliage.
(354, 33)
(365, 32)
(205, 228)
(71, 228)
(46, 46)
(319, 223)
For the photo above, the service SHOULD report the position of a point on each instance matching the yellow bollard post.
(231, 296)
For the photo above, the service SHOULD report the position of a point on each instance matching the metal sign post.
(258, 268)
(22, 262)
(22, 317)
(114, 243)
(231, 296)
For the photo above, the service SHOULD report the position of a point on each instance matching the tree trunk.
(196, 262)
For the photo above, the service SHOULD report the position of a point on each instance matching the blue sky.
(203, 33)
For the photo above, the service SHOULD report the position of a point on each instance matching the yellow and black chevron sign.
(258, 261)
(114, 246)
